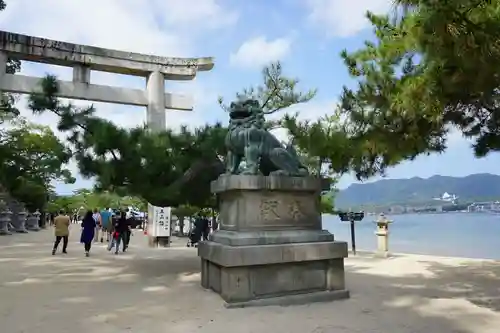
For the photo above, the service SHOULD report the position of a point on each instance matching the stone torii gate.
(83, 59)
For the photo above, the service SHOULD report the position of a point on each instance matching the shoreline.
(179, 243)
(374, 254)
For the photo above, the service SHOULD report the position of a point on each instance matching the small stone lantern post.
(383, 235)
(5, 216)
(37, 215)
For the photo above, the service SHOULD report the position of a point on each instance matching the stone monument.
(270, 248)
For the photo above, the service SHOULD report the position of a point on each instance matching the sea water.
(471, 235)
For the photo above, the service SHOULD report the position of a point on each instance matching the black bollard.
(353, 238)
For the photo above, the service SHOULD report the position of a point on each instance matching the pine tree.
(167, 168)
(433, 67)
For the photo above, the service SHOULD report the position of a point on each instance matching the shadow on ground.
(25, 259)
(155, 290)
(464, 293)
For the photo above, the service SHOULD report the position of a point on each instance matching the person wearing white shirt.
(128, 216)
(98, 224)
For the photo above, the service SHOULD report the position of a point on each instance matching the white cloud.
(308, 111)
(207, 12)
(159, 27)
(259, 51)
(129, 25)
(344, 18)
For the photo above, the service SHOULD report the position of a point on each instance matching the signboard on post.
(159, 225)
(162, 216)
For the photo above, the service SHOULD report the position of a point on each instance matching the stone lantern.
(21, 218)
(383, 235)
(37, 215)
(5, 216)
(32, 221)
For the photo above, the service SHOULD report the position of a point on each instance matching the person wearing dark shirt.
(88, 231)
(129, 217)
(120, 232)
(206, 228)
(203, 226)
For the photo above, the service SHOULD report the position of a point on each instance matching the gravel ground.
(158, 290)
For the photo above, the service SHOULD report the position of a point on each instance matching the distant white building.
(447, 197)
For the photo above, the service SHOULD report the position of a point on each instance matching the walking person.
(128, 232)
(88, 231)
(98, 224)
(215, 224)
(61, 224)
(115, 215)
(52, 216)
(120, 229)
(205, 227)
(105, 224)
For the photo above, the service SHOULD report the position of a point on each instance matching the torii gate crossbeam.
(83, 59)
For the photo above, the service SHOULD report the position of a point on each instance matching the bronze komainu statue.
(248, 140)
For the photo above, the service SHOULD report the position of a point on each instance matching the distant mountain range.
(418, 190)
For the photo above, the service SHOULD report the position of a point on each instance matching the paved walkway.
(157, 290)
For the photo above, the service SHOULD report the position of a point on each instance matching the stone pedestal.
(32, 221)
(270, 249)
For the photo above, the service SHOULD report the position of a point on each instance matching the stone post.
(156, 121)
(5, 216)
(21, 221)
(81, 74)
(156, 115)
(382, 235)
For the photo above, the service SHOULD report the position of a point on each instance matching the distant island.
(423, 193)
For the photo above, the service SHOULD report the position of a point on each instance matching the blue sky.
(306, 35)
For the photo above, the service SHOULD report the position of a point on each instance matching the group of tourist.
(95, 226)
